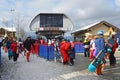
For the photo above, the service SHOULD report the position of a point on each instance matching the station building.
(51, 24)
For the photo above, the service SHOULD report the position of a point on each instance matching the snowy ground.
(41, 69)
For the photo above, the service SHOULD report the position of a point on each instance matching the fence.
(47, 52)
(78, 47)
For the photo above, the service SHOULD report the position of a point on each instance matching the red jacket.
(65, 46)
(14, 47)
(62, 45)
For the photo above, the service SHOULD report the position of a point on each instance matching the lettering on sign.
(51, 28)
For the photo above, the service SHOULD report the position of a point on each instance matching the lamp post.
(12, 10)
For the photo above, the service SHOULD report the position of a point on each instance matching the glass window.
(51, 20)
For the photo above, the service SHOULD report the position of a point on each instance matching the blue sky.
(81, 12)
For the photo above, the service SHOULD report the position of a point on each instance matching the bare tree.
(20, 23)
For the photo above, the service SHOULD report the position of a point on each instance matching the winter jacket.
(100, 45)
(86, 44)
(65, 46)
(27, 44)
(62, 45)
(8, 44)
(14, 47)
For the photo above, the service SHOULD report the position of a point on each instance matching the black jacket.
(27, 44)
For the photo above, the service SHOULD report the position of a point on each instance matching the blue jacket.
(100, 45)
(8, 44)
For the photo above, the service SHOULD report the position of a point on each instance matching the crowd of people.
(97, 43)
(64, 49)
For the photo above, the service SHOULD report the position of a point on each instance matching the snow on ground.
(41, 69)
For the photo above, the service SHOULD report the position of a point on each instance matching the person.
(100, 45)
(64, 48)
(72, 54)
(1, 41)
(36, 44)
(4, 42)
(57, 50)
(20, 42)
(42, 41)
(118, 40)
(112, 42)
(20, 47)
(14, 50)
(8, 44)
(27, 44)
(92, 47)
(0, 47)
(86, 47)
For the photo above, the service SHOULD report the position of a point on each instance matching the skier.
(27, 44)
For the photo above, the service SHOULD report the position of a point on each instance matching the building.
(51, 24)
(7, 31)
(93, 29)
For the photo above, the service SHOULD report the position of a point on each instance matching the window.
(51, 20)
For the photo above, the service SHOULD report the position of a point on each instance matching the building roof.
(9, 29)
(94, 24)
